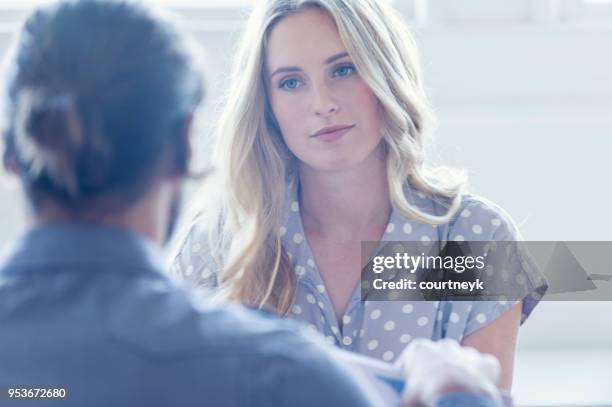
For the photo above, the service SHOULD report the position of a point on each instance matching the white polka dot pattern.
(388, 355)
(407, 228)
(408, 308)
(454, 317)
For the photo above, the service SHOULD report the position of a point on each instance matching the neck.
(352, 204)
(148, 216)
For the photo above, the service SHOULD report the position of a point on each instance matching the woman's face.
(328, 116)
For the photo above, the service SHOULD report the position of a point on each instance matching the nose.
(323, 102)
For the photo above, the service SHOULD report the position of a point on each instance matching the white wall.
(524, 96)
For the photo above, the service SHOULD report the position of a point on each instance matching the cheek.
(289, 116)
(365, 106)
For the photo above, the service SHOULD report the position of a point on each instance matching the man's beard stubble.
(173, 215)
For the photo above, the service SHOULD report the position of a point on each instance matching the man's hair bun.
(49, 137)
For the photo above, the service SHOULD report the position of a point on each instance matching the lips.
(332, 133)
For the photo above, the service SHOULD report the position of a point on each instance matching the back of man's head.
(97, 91)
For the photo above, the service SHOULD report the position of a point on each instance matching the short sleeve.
(481, 220)
(194, 265)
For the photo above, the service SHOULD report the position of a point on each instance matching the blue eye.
(290, 84)
(345, 70)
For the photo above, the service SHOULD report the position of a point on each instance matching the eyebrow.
(328, 61)
(336, 57)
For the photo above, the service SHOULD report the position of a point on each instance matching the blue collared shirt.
(88, 309)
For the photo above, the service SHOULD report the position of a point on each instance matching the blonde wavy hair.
(255, 166)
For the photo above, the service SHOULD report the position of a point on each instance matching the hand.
(434, 369)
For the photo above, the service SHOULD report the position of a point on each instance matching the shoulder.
(477, 218)
(275, 361)
(161, 319)
(481, 219)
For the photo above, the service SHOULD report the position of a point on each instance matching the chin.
(335, 164)
(343, 160)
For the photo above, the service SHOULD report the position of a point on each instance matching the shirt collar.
(86, 244)
(298, 247)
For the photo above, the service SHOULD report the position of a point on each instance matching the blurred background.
(523, 92)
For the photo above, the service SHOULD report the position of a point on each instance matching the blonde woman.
(320, 147)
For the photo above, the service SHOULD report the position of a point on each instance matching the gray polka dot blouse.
(382, 329)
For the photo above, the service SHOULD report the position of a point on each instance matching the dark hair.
(97, 90)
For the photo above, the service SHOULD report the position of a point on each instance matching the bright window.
(12, 4)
